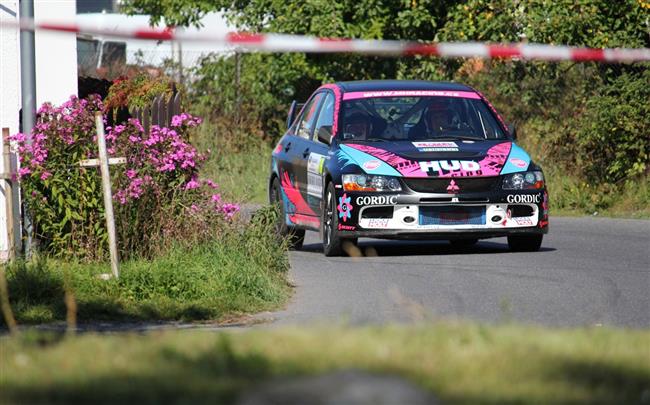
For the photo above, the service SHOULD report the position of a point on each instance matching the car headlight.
(524, 181)
(367, 182)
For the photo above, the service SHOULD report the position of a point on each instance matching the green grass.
(240, 168)
(570, 196)
(243, 271)
(460, 363)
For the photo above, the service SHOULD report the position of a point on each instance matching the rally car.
(405, 160)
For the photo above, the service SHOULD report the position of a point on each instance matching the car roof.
(384, 85)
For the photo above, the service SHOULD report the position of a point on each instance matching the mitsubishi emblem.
(453, 188)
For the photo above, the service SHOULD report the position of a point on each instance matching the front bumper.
(443, 216)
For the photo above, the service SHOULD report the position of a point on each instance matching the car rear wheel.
(296, 236)
(525, 243)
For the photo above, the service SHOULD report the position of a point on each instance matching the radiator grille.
(463, 184)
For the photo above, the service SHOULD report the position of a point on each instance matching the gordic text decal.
(377, 200)
(523, 198)
(438, 166)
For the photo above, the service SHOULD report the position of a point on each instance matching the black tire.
(296, 236)
(463, 243)
(331, 239)
(525, 243)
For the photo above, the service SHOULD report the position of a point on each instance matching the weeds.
(241, 271)
(239, 160)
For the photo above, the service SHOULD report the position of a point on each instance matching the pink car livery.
(406, 159)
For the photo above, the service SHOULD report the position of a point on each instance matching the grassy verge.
(240, 168)
(460, 363)
(242, 271)
(570, 196)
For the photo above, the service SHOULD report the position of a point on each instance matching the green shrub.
(136, 92)
(613, 139)
(159, 196)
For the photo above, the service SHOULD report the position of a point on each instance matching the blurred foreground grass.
(461, 363)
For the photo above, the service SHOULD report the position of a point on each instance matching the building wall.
(9, 97)
(56, 53)
(56, 73)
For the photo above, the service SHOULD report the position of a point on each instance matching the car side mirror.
(512, 129)
(325, 134)
(292, 113)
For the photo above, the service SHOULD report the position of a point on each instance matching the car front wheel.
(332, 242)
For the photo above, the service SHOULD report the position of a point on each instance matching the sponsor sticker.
(523, 198)
(371, 164)
(523, 221)
(346, 227)
(378, 223)
(436, 146)
(344, 207)
(438, 166)
(315, 174)
(518, 162)
(377, 200)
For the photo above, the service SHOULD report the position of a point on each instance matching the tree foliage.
(589, 118)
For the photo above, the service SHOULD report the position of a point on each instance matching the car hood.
(435, 158)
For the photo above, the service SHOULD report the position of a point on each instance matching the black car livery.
(405, 159)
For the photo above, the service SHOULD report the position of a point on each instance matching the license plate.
(452, 216)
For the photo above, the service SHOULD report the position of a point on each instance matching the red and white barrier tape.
(299, 43)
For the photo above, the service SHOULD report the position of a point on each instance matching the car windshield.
(416, 118)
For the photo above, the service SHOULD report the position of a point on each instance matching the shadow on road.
(388, 248)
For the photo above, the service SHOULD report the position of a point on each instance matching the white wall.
(56, 73)
(9, 96)
(9, 67)
(56, 53)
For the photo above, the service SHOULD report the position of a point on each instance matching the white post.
(108, 196)
(11, 197)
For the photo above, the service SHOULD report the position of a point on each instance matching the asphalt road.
(590, 271)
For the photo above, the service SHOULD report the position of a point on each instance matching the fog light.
(496, 218)
(409, 219)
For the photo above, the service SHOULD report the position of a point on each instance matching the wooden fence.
(160, 112)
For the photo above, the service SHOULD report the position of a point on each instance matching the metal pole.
(28, 93)
(108, 196)
(180, 63)
(237, 81)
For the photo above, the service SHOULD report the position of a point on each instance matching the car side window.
(326, 116)
(306, 124)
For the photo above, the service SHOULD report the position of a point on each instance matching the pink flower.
(216, 198)
(24, 171)
(45, 175)
(192, 184)
(211, 184)
(230, 209)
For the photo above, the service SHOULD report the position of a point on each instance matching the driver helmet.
(437, 115)
(358, 125)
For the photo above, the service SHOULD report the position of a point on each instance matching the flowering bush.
(159, 195)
